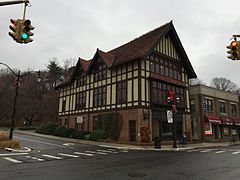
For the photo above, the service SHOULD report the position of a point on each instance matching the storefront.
(211, 128)
(236, 128)
(227, 128)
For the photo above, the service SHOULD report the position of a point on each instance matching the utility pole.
(6, 3)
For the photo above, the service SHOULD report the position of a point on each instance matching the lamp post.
(16, 85)
(173, 101)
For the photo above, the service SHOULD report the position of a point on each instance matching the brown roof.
(139, 46)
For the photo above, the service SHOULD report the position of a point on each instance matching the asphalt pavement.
(61, 159)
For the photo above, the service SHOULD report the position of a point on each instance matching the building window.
(209, 105)
(99, 97)
(64, 105)
(159, 93)
(100, 73)
(234, 109)
(122, 92)
(81, 81)
(222, 107)
(80, 101)
(192, 105)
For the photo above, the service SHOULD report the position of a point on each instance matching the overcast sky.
(76, 28)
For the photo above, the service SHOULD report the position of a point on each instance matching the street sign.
(170, 116)
(80, 119)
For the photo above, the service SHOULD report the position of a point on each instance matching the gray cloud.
(76, 28)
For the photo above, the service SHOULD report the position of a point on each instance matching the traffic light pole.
(6, 3)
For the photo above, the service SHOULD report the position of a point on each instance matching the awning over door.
(212, 119)
(227, 121)
(236, 121)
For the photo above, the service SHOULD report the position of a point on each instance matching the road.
(58, 160)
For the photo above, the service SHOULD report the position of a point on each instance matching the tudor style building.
(133, 80)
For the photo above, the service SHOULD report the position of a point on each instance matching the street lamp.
(173, 101)
(16, 85)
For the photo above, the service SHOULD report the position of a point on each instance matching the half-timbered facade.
(133, 80)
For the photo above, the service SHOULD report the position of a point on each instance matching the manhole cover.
(136, 174)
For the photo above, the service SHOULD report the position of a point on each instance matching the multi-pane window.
(122, 92)
(222, 107)
(160, 92)
(209, 105)
(80, 100)
(82, 80)
(99, 97)
(100, 73)
(234, 109)
(192, 105)
(63, 105)
(165, 68)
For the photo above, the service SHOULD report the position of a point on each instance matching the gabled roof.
(138, 48)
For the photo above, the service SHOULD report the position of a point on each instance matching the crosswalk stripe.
(107, 151)
(84, 154)
(218, 152)
(50, 156)
(193, 150)
(204, 151)
(68, 155)
(237, 152)
(125, 151)
(12, 160)
(92, 152)
(35, 158)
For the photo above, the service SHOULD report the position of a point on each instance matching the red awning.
(227, 121)
(236, 121)
(213, 119)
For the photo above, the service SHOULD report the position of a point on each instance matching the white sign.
(79, 119)
(170, 116)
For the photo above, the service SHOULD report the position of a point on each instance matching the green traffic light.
(24, 35)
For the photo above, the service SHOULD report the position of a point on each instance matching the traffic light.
(16, 29)
(26, 31)
(234, 50)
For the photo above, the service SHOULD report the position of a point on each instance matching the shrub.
(63, 132)
(97, 135)
(9, 144)
(79, 135)
(3, 136)
(47, 129)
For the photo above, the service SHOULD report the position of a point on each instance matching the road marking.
(92, 152)
(35, 158)
(12, 160)
(193, 150)
(85, 154)
(41, 142)
(218, 152)
(13, 154)
(50, 156)
(68, 144)
(68, 155)
(237, 152)
(204, 151)
(107, 151)
(125, 151)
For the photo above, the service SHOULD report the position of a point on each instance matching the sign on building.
(80, 119)
(170, 116)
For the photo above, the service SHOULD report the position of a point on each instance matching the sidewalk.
(127, 146)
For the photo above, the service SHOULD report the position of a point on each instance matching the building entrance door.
(132, 130)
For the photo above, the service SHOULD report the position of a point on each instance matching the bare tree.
(68, 66)
(223, 84)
